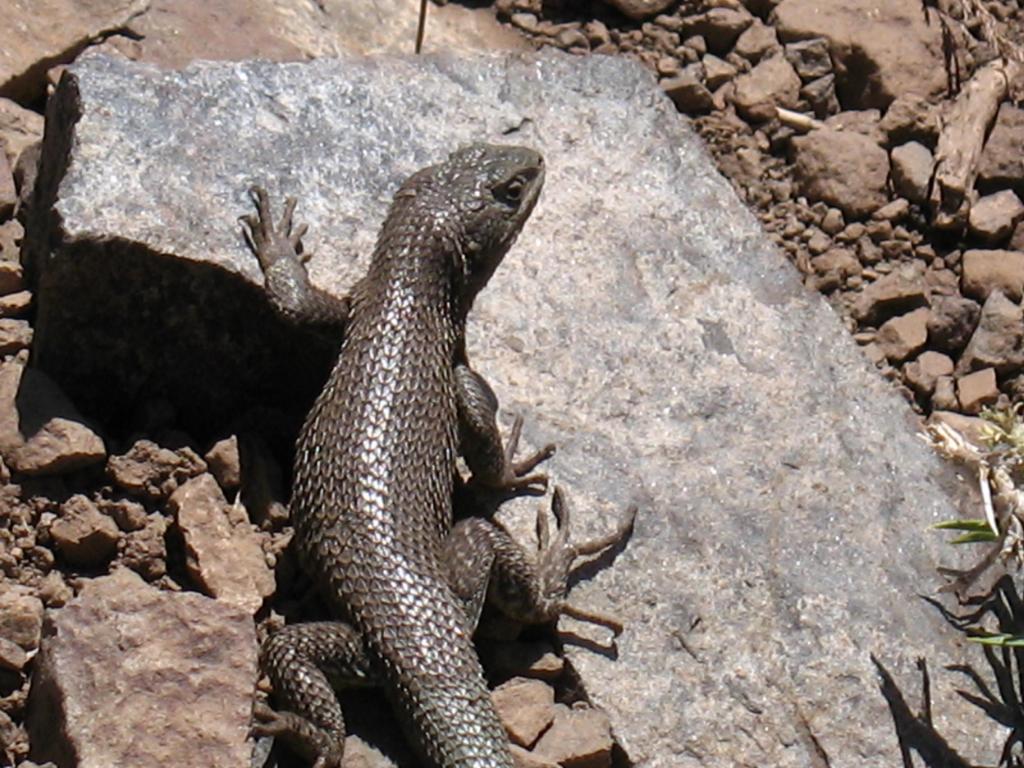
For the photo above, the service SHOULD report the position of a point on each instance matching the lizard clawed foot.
(518, 475)
(310, 741)
(556, 558)
(272, 244)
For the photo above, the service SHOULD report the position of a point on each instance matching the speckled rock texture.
(643, 323)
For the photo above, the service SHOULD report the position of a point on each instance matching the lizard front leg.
(284, 269)
(480, 440)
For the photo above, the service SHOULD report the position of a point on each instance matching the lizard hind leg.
(304, 662)
(482, 559)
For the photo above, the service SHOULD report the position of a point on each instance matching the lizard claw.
(302, 735)
(556, 557)
(518, 474)
(272, 244)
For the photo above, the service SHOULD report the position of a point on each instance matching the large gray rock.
(643, 322)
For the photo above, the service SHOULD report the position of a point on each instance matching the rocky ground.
(877, 141)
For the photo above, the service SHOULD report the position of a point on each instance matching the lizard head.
(479, 199)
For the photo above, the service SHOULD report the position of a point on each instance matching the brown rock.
(923, 372)
(116, 659)
(862, 121)
(8, 195)
(911, 118)
(896, 293)
(54, 591)
(1016, 239)
(578, 738)
(687, 92)
(847, 170)
(945, 394)
(998, 341)
(129, 515)
(881, 49)
(145, 550)
(224, 556)
(892, 211)
(720, 27)
(572, 37)
(993, 217)
(152, 471)
(772, 83)
(41, 433)
(84, 535)
(952, 321)
(25, 174)
(597, 33)
(903, 336)
(641, 9)
(833, 268)
(1002, 161)
(58, 446)
(912, 167)
(11, 233)
(15, 335)
(717, 72)
(19, 128)
(15, 304)
(12, 655)
(820, 94)
(986, 271)
(976, 390)
(10, 382)
(224, 463)
(526, 708)
(522, 758)
(756, 42)
(832, 222)
(810, 58)
(53, 31)
(21, 617)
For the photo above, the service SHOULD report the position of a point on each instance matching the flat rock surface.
(643, 322)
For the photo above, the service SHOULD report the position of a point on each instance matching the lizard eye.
(512, 191)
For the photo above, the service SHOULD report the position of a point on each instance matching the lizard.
(375, 470)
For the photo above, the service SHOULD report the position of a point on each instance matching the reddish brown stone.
(772, 83)
(985, 271)
(976, 390)
(21, 617)
(844, 169)
(83, 534)
(578, 738)
(903, 336)
(526, 708)
(153, 471)
(224, 556)
(223, 461)
(15, 304)
(993, 217)
(60, 445)
(922, 374)
(15, 335)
